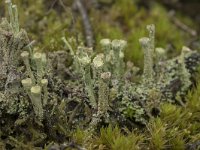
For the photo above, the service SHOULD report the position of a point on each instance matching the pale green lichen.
(149, 54)
(44, 83)
(148, 72)
(36, 99)
(118, 57)
(151, 29)
(98, 66)
(10, 11)
(104, 92)
(84, 62)
(184, 73)
(68, 46)
(36, 82)
(100, 92)
(98, 61)
(16, 21)
(11, 52)
(13, 14)
(25, 56)
(27, 84)
(160, 54)
(37, 57)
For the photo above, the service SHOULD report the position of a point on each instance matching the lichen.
(45, 101)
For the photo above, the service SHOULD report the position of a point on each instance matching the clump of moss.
(41, 19)
(129, 20)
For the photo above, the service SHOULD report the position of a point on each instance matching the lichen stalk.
(36, 96)
(38, 61)
(160, 54)
(106, 47)
(72, 53)
(27, 84)
(44, 83)
(84, 62)
(185, 75)
(148, 72)
(118, 59)
(98, 66)
(10, 12)
(151, 29)
(89, 86)
(16, 21)
(44, 63)
(123, 44)
(68, 46)
(103, 101)
(25, 57)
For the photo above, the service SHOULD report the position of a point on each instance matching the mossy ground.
(46, 22)
(176, 127)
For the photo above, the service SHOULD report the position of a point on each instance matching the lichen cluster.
(45, 102)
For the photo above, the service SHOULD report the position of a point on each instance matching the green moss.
(125, 20)
(113, 138)
(46, 22)
(177, 126)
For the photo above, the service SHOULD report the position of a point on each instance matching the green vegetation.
(60, 94)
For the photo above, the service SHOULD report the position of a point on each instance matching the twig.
(181, 25)
(86, 23)
(51, 7)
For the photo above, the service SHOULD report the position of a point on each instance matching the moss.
(113, 138)
(38, 19)
(177, 126)
(126, 20)
(143, 116)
